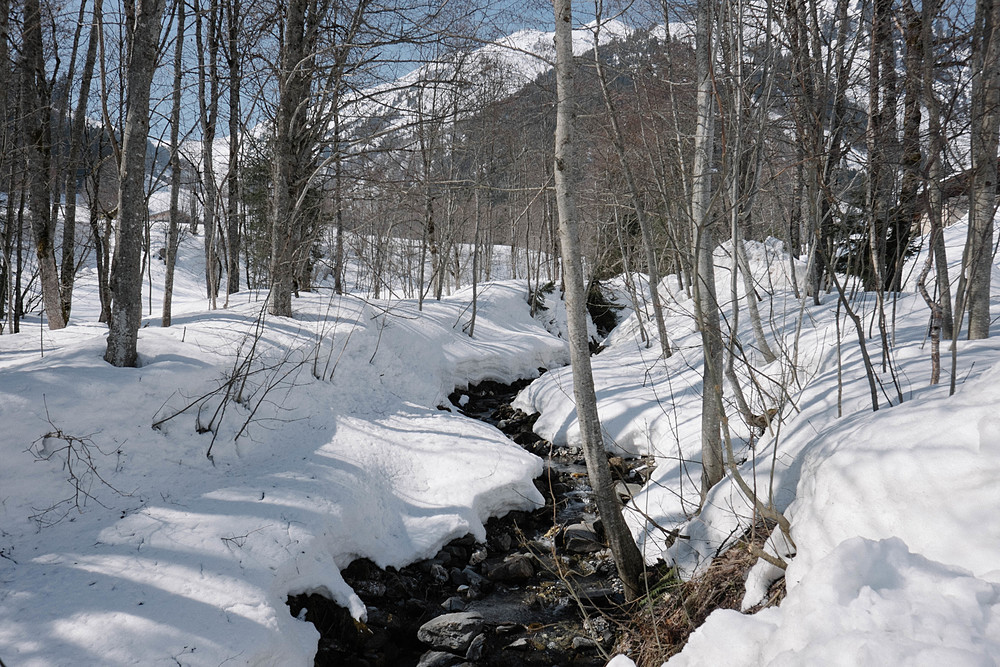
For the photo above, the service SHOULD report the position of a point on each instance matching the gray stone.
(626, 491)
(473, 577)
(520, 644)
(475, 651)
(452, 632)
(439, 574)
(458, 553)
(454, 603)
(370, 588)
(581, 538)
(515, 569)
(466, 540)
(457, 577)
(426, 565)
(439, 659)
(583, 643)
(503, 541)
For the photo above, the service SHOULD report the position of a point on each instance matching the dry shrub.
(660, 627)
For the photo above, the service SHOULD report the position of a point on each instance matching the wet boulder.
(514, 569)
(452, 632)
(581, 538)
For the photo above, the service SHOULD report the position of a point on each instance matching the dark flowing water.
(537, 587)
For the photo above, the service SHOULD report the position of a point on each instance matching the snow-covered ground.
(158, 554)
(122, 543)
(893, 513)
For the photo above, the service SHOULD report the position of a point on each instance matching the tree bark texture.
(173, 231)
(985, 129)
(293, 91)
(143, 32)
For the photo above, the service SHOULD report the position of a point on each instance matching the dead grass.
(660, 627)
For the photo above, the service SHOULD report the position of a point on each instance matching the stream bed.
(542, 589)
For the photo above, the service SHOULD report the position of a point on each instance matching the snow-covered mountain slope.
(458, 84)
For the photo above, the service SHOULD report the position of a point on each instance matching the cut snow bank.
(170, 558)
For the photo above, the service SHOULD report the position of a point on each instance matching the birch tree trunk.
(233, 217)
(623, 548)
(706, 301)
(175, 168)
(208, 106)
(143, 34)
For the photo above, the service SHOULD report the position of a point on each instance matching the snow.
(174, 558)
(892, 512)
(336, 449)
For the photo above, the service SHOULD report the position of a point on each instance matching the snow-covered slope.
(124, 544)
(892, 512)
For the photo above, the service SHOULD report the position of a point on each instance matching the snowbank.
(163, 556)
(892, 511)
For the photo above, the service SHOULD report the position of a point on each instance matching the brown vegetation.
(674, 609)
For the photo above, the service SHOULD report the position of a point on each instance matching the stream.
(542, 589)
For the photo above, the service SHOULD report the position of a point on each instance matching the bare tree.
(617, 140)
(625, 552)
(233, 61)
(35, 110)
(985, 129)
(173, 229)
(76, 139)
(208, 116)
(291, 152)
(142, 33)
(706, 301)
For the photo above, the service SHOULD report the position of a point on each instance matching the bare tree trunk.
(625, 552)
(935, 171)
(475, 267)
(6, 172)
(143, 34)
(76, 139)
(208, 106)
(35, 98)
(175, 168)
(293, 90)
(706, 302)
(338, 205)
(985, 129)
(233, 217)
